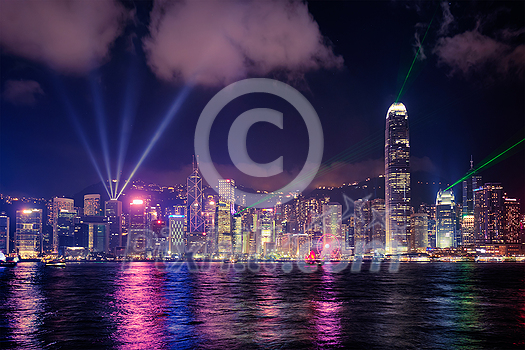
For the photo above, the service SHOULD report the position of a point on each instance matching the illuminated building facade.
(223, 228)
(137, 235)
(430, 210)
(210, 206)
(469, 185)
(266, 226)
(332, 213)
(300, 245)
(368, 226)
(92, 233)
(65, 229)
(176, 241)
(227, 192)
(113, 211)
(237, 234)
(418, 232)
(468, 217)
(468, 229)
(28, 234)
(488, 207)
(397, 178)
(510, 220)
(445, 219)
(137, 214)
(59, 204)
(4, 233)
(196, 243)
(376, 225)
(92, 205)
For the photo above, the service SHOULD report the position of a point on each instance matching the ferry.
(56, 262)
(7, 261)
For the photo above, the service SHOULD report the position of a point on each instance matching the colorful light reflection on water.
(217, 306)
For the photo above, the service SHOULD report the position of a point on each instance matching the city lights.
(222, 174)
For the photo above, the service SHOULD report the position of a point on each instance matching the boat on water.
(6, 261)
(57, 262)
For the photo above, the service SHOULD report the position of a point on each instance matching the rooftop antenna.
(471, 162)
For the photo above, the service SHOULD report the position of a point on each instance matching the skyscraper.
(468, 208)
(445, 219)
(4, 233)
(510, 220)
(227, 192)
(368, 225)
(210, 204)
(267, 226)
(237, 230)
(137, 235)
(92, 205)
(469, 185)
(65, 228)
(488, 206)
(176, 241)
(332, 213)
(224, 227)
(397, 178)
(58, 205)
(419, 232)
(113, 211)
(137, 215)
(194, 201)
(28, 235)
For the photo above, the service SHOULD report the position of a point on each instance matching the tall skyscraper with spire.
(397, 179)
(468, 218)
(195, 201)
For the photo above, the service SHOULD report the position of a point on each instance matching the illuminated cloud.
(497, 52)
(22, 92)
(471, 51)
(217, 42)
(447, 20)
(70, 36)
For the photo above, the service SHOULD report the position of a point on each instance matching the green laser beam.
(364, 147)
(484, 165)
(415, 58)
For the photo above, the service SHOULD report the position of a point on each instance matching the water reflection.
(327, 311)
(148, 306)
(141, 308)
(25, 306)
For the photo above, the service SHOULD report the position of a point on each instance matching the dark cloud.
(22, 92)
(70, 36)
(224, 41)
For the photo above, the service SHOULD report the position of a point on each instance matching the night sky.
(102, 75)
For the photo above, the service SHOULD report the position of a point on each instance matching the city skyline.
(238, 174)
(456, 109)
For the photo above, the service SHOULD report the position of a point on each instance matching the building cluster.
(218, 224)
(484, 218)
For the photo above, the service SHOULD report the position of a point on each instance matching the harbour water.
(144, 305)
